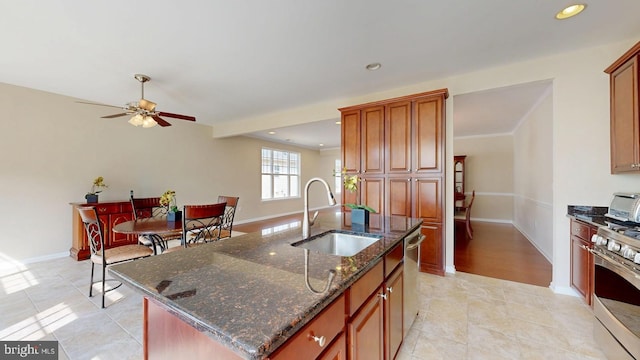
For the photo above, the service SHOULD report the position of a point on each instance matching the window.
(280, 174)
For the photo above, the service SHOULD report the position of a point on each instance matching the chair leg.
(91, 282)
(104, 271)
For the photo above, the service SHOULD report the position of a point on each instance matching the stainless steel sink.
(337, 243)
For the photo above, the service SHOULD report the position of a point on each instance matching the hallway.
(501, 251)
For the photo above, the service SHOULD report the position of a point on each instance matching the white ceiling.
(226, 61)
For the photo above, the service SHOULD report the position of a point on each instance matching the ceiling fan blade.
(177, 116)
(160, 120)
(90, 103)
(114, 116)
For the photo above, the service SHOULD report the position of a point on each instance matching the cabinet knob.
(383, 296)
(321, 340)
(390, 289)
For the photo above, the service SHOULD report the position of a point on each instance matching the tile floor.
(462, 316)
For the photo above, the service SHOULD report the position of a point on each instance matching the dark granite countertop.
(249, 292)
(593, 215)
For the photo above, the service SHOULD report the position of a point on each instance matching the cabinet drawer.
(580, 229)
(108, 208)
(360, 291)
(393, 258)
(328, 323)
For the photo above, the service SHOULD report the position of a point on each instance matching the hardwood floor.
(501, 251)
(496, 250)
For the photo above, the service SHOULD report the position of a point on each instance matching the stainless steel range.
(616, 280)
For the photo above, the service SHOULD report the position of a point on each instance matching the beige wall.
(53, 148)
(488, 171)
(533, 176)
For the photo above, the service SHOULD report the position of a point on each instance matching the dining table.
(157, 229)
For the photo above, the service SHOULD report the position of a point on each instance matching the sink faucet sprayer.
(306, 222)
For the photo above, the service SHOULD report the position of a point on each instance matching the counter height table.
(155, 228)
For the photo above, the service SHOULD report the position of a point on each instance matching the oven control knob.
(613, 246)
(628, 252)
(600, 240)
(636, 258)
(594, 238)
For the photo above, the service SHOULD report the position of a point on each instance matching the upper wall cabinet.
(625, 121)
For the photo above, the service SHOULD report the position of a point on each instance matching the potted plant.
(98, 184)
(359, 212)
(168, 199)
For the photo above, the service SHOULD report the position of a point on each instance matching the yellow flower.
(168, 199)
(97, 184)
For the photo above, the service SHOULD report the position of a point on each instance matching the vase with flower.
(168, 200)
(359, 212)
(96, 188)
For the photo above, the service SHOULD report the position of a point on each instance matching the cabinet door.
(398, 137)
(373, 196)
(625, 140)
(399, 196)
(373, 140)
(428, 135)
(366, 341)
(580, 266)
(428, 199)
(394, 288)
(432, 249)
(350, 123)
(337, 350)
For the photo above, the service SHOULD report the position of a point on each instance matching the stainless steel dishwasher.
(411, 251)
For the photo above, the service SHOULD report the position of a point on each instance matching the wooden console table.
(110, 214)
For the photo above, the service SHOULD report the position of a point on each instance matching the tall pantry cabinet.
(396, 147)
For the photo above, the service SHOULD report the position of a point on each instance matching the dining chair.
(229, 214)
(105, 257)
(150, 207)
(200, 224)
(463, 217)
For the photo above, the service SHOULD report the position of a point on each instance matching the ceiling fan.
(143, 111)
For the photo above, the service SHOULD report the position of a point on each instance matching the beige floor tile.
(461, 316)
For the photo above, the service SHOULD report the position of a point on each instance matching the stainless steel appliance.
(616, 280)
(410, 293)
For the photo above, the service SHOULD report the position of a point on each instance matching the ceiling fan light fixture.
(570, 11)
(136, 120)
(148, 122)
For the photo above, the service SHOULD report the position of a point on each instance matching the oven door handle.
(614, 266)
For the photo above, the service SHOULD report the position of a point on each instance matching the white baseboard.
(450, 269)
(277, 215)
(564, 290)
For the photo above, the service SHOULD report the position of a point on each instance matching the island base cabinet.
(366, 340)
(165, 336)
(337, 350)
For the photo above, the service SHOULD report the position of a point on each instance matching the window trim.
(289, 175)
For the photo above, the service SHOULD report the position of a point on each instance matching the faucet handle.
(313, 218)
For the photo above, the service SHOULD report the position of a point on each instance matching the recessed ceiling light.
(570, 11)
(320, 144)
(373, 66)
(272, 132)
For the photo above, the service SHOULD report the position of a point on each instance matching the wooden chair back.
(147, 207)
(229, 214)
(202, 223)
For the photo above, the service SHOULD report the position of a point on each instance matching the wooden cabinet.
(432, 249)
(458, 178)
(337, 350)
(396, 146)
(375, 328)
(314, 337)
(581, 258)
(110, 214)
(624, 86)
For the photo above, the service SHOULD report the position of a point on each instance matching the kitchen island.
(248, 294)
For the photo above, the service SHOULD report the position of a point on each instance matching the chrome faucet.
(306, 222)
